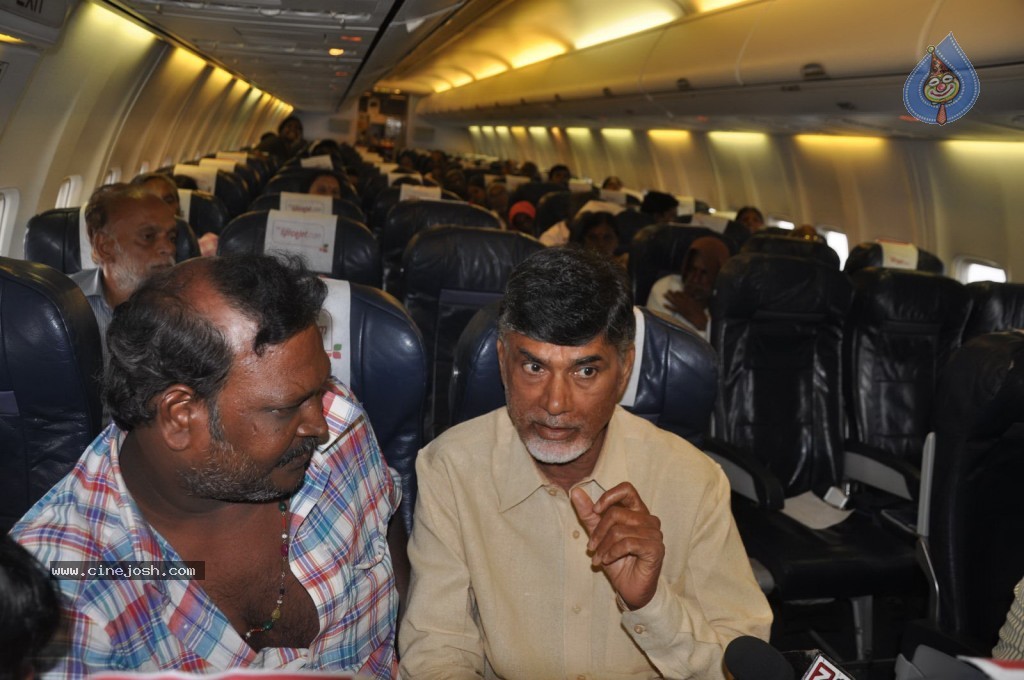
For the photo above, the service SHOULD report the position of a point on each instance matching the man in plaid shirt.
(231, 452)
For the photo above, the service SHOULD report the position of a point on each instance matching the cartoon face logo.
(943, 86)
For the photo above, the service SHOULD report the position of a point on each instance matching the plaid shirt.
(339, 553)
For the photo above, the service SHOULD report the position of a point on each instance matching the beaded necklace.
(276, 614)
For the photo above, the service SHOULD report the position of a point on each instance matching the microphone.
(818, 665)
(750, 658)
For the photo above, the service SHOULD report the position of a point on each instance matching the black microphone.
(750, 658)
(819, 666)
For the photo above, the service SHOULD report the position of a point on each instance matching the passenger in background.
(325, 183)
(685, 296)
(407, 161)
(521, 217)
(231, 447)
(497, 200)
(133, 234)
(598, 232)
(748, 221)
(612, 183)
(160, 185)
(455, 182)
(530, 169)
(537, 550)
(29, 613)
(560, 174)
(476, 191)
(290, 130)
(661, 206)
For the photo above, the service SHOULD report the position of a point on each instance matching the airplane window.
(969, 270)
(8, 211)
(70, 192)
(838, 242)
(143, 168)
(113, 175)
(780, 222)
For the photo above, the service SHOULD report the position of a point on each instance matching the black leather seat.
(356, 253)
(553, 207)
(994, 307)
(777, 324)
(389, 376)
(339, 206)
(872, 254)
(784, 244)
(388, 198)
(50, 364)
(901, 330)
(206, 213)
(407, 218)
(533, 192)
(447, 274)
(52, 238)
(658, 251)
(678, 373)
(976, 507)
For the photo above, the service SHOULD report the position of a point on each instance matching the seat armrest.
(747, 476)
(881, 470)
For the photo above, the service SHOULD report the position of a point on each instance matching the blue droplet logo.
(943, 86)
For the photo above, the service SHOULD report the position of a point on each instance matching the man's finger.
(584, 509)
(623, 494)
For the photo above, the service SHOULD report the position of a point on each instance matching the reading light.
(335, 51)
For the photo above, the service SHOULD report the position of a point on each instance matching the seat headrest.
(907, 296)
(995, 307)
(762, 285)
(892, 255)
(781, 244)
(463, 258)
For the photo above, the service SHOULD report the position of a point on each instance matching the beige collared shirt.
(502, 583)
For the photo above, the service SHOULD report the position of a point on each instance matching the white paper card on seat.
(323, 162)
(205, 177)
(898, 254)
(335, 328)
(219, 163)
(629, 398)
(84, 244)
(610, 196)
(581, 185)
(813, 512)
(185, 201)
(311, 236)
(687, 205)
(309, 204)
(512, 181)
(410, 192)
(236, 156)
(600, 206)
(713, 222)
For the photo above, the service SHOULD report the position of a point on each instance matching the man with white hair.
(133, 234)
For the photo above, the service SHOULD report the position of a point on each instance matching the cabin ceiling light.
(335, 51)
(625, 26)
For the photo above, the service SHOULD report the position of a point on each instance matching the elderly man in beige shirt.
(562, 537)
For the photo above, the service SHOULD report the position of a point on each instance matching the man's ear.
(180, 417)
(102, 247)
(627, 370)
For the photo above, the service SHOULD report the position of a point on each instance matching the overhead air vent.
(683, 84)
(607, 92)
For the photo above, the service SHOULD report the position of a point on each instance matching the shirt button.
(576, 609)
(639, 629)
(552, 491)
(575, 533)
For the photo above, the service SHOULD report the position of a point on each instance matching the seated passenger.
(560, 174)
(133, 234)
(661, 206)
(29, 612)
(497, 200)
(530, 169)
(290, 131)
(476, 191)
(231, 450)
(612, 183)
(599, 233)
(538, 551)
(748, 221)
(324, 183)
(685, 296)
(521, 217)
